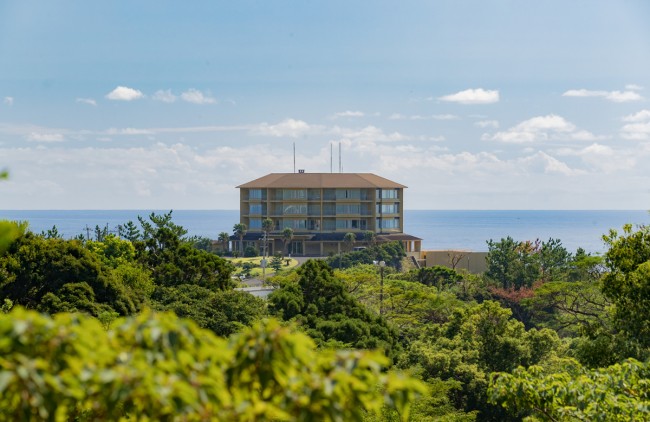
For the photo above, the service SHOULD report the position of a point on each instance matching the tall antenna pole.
(294, 157)
(340, 157)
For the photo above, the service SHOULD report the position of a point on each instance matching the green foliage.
(276, 262)
(157, 367)
(224, 239)
(240, 230)
(9, 232)
(473, 343)
(222, 312)
(438, 276)
(618, 393)
(516, 265)
(328, 313)
(55, 275)
(174, 261)
(52, 233)
(391, 253)
(627, 284)
(408, 306)
(350, 239)
(251, 252)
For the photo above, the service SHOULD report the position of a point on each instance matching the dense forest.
(149, 324)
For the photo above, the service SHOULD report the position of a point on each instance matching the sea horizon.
(438, 229)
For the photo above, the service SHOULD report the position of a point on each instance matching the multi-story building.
(321, 208)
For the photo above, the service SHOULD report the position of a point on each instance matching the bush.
(251, 252)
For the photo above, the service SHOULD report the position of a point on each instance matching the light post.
(381, 265)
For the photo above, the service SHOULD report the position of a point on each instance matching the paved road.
(257, 282)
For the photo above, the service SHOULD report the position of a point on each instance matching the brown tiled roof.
(321, 180)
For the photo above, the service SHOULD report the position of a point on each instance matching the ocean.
(461, 229)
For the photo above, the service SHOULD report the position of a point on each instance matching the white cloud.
(633, 87)
(615, 96)
(195, 96)
(487, 124)
(398, 116)
(638, 126)
(88, 101)
(473, 96)
(290, 128)
(129, 131)
(348, 113)
(165, 96)
(544, 163)
(541, 128)
(45, 137)
(8, 101)
(636, 131)
(123, 93)
(640, 116)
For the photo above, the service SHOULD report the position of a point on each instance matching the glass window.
(294, 193)
(295, 209)
(255, 223)
(347, 208)
(294, 224)
(387, 208)
(255, 194)
(348, 194)
(255, 209)
(389, 193)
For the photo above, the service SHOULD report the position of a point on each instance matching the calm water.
(438, 229)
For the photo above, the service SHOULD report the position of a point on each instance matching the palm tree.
(370, 237)
(267, 226)
(224, 238)
(287, 235)
(239, 230)
(349, 240)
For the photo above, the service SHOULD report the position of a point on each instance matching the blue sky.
(472, 104)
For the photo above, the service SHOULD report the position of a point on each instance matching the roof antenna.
(340, 168)
(294, 157)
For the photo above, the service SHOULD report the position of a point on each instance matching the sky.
(471, 104)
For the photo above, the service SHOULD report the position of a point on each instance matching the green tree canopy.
(158, 367)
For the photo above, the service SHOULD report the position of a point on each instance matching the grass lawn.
(256, 272)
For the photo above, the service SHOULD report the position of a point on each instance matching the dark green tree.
(329, 313)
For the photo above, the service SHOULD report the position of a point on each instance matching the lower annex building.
(321, 208)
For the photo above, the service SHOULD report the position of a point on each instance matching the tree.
(350, 239)
(474, 342)
(267, 226)
(131, 232)
(276, 262)
(370, 237)
(55, 275)
(239, 230)
(627, 284)
(287, 237)
(224, 238)
(52, 233)
(619, 392)
(512, 264)
(160, 367)
(331, 315)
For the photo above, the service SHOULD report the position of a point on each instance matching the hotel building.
(321, 208)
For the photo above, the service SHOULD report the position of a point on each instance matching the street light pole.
(381, 265)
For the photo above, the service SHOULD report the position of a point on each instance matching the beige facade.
(321, 208)
(473, 262)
